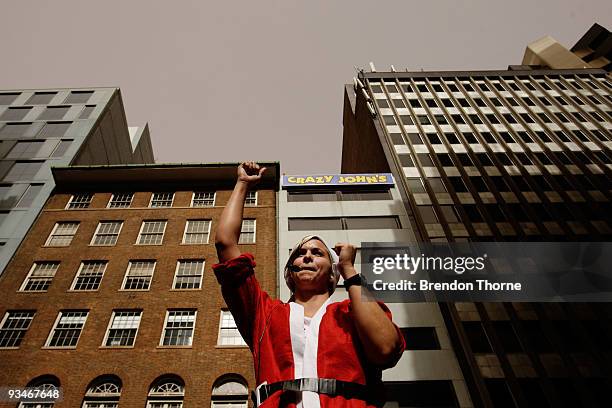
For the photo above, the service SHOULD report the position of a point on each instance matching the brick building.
(111, 296)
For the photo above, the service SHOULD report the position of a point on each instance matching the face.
(315, 268)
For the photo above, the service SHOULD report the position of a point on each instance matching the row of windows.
(138, 276)
(37, 130)
(343, 223)
(361, 195)
(167, 391)
(501, 84)
(43, 98)
(50, 113)
(122, 329)
(151, 232)
(19, 195)
(37, 149)
(158, 200)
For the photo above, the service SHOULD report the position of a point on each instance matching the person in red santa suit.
(309, 352)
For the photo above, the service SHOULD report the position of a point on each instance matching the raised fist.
(250, 173)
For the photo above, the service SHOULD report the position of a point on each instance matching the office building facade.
(56, 127)
(111, 296)
(517, 155)
(359, 208)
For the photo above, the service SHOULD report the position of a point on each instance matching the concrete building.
(518, 155)
(360, 208)
(593, 50)
(111, 295)
(56, 127)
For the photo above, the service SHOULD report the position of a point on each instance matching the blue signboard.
(368, 179)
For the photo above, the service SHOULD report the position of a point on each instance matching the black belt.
(329, 386)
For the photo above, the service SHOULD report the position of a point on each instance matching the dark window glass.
(420, 338)
(524, 159)
(15, 113)
(30, 195)
(78, 97)
(397, 138)
(499, 393)
(389, 120)
(437, 88)
(488, 137)
(414, 103)
(423, 120)
(453, 88)
(427, 214)
(376, 89)
(544, 101)
(449, 213)
(480, 102)
(475, 119)
(452, 138)
(445, 159)
(8, 98)
(479, 184)
(458, 118)
(372, 223)
(484, 159)
(496, 102)
(406, 160)
(561, 117)
(415, 185)
(433, 138)
(580, 136)
(495, 212)
(528, 101)
(525, 137)
(54, 129)
(382, 103)
(23, 171)
(306, 224)
(441, 119)
(436, 185)
(458, 184)
(464, 159)
(365, 195)
(472, 212)
(15, 129)
(509, 118)
(391, 88)
(562, 136)
(544, 118)
(422, 88)
(54, 113)
(506, 137)
(431, 103)
(527, 118)
(504, 159)
(295, 196)
(406, 120)
(41, 98)
(61, 148)
(399, 103)
(543, 137)
(477, 338)
(500, 184)
(512, 101)
(414, 138)
(463, 102)
(425, 159)
(470, 138)
(447, 103)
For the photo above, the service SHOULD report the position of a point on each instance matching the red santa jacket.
(273, 331)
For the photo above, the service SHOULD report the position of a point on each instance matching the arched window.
(103, 392)
(166, 392)
(230, 391)
(44, 383)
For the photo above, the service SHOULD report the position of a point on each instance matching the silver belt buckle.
(257, 395)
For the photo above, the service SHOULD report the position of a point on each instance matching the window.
(16, 113)
(203, 199)
(251, 198)
(247, 232)
(151, 233)
(230, 391)
(188, 274)
(420, 338)
(26, 150)
(14, 327)
(139, 275)
(228, 332)
(196, 232)
(54, 129)
(122, 328)
(23, 171)
(61, 148)
(477, 337)
(161, 200)
(80, 200)
(107, 233)
(103, 392)
(8, 98)
(89, 275)
(178, 328)
(67, 329)
(166, 392)
(15, 130)
(62, 233)
(86, 112)
(27, 199)
(120, 200)
(46, 383)
(40, 276)
(54, 113)
(78, 97)
(344, 223)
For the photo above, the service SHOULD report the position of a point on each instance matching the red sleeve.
(402, 346)
(242, 293)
